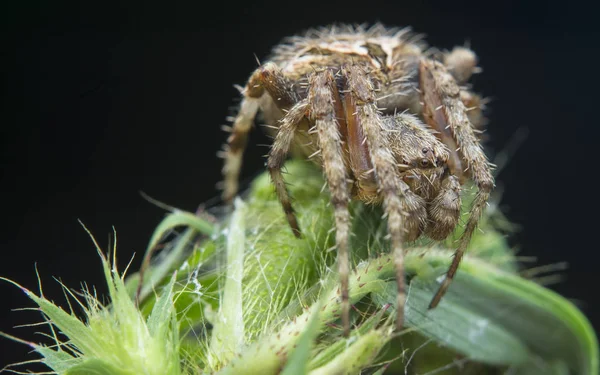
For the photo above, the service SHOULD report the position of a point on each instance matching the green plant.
(244, 296)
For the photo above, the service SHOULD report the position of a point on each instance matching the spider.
(388, 122)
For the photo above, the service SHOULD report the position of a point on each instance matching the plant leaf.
(96, 366)
(174, 258)
(228, 332)
(162, 310)
(297, 363)
(358, 355)
(497, 317)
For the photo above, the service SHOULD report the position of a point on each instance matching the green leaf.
(550, 325)
(536, 367)
(297, 363)
(462, 329)
(329, 352)
(57, 360)
(97, 367)
(154, 275)
(360, 354)
(162, 311)
(497, 317)
(69, 325)
(228, 332)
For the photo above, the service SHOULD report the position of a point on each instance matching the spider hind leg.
(266, 79)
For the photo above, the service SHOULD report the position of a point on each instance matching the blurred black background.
(103, 100)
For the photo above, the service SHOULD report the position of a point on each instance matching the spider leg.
(277, 155)
(266, 78)
(236, 142)
(461, 62)
(401, 205)
(447, 115)
(323, 95)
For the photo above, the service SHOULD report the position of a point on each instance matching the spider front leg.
(266, 78)
(279, 150)
(324, 100)
(446, 113)
(402, 207)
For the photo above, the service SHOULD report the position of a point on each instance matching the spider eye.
(424, 163)
(425, 150)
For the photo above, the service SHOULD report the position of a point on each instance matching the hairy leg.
(322, 94)
(461, 62)
(237, 140)
(401, 206)
(441, 95)
(277, 155)
(266, 78)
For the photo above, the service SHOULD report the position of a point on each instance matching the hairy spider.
(387, 121)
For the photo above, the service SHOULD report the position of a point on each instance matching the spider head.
(425, 151)
(414, 145)
(428, 159)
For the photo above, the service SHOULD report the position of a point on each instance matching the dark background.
(103, 101)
